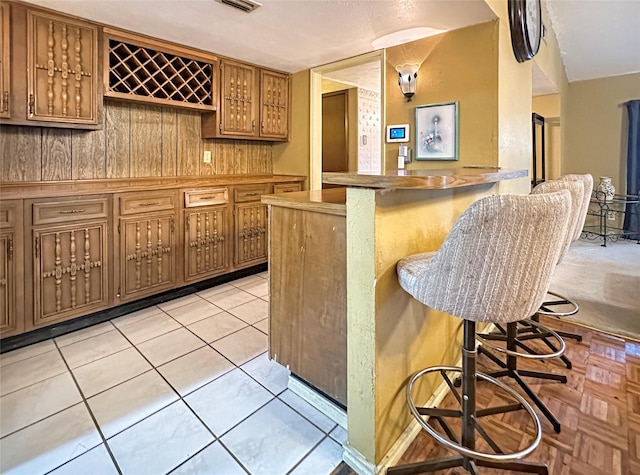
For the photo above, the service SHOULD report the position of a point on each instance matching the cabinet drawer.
(66, 211)
(206, 197)
(287, 187)
(147, 203)
(250, 192)
(9, 213)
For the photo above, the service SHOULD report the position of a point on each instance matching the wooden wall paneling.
(21, 153)
(146, 146)
(169, 142)
(56, 154)
(189, 143)
(241, 161)
(224, 153)
(260, 158)
(117, 126)
(88, 153)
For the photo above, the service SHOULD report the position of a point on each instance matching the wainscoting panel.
(136, 141)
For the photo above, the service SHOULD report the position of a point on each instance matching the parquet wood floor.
(598, 407)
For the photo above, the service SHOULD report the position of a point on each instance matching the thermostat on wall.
(398, 133)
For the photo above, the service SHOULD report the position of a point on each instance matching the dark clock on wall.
(525, 22)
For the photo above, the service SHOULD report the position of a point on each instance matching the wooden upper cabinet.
(4, 60)
(238, 99)
(274, 105)
(62, 70)
(254, 104)
(50, 62)
(146, 70)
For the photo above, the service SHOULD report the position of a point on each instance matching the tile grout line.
(180, 398)
(218, 438)
(95, 422)
(326, 436)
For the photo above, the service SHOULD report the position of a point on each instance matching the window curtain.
(632, 221)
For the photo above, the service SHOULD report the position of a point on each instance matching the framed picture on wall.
(437, 132)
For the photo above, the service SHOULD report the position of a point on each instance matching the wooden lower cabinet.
(147, 255)
(70, 272)
(63, 257)
(11, 268)
(206, 242)
(68, 264)
(250, 234)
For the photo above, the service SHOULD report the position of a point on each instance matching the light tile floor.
(184, 387)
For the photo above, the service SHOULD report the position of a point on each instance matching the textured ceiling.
(597, 38)
(289, 35)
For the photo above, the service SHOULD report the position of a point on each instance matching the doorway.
(362, 79)
(335, 132)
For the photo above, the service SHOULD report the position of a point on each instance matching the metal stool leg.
(511, 370)
(469, 458)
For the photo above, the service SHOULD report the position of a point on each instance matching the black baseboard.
(62, 328)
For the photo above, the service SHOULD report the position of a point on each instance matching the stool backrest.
(497, 261)
(576, 188)
(587, 182)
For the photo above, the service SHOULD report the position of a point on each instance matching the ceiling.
(289, 35)
(597, 38)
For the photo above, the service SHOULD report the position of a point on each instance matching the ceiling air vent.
(245, 5)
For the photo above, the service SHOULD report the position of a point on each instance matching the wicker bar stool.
(494, 266)
(517, 335)
(562, 306)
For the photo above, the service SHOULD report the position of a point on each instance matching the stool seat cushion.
(497, 261)
(413, 267)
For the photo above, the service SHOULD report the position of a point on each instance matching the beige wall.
(293, 157)
(460, 66)
(595, 123)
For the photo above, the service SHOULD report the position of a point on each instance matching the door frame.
(315, 139)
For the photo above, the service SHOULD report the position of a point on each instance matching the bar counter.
(423, 179)
(335, 294)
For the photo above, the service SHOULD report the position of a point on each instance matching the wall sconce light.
(407, 77)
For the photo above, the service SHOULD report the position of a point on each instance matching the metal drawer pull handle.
(150, 203)
(72, 211)
(207, 197)
(252, 194)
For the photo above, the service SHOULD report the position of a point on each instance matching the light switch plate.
(207, 156)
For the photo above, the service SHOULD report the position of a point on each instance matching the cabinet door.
(62, 69)
(11, 268)
(9, 318)
(70, 271)
(251, 233)
(147, 255)
(274, 105)
(4, 60)
(205, 243)
(238, 99)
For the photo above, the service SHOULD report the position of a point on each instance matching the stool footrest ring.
(545, 308)
(464, 451)
(544, 333)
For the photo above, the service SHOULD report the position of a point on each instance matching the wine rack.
(146, 74)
